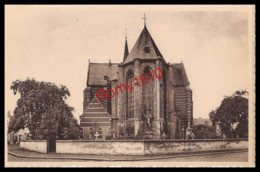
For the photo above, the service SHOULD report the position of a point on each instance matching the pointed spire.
(126, 52)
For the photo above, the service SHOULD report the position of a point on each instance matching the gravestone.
(96, 135)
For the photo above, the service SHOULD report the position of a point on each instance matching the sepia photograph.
(129, 86)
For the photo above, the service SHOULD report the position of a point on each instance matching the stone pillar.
(170, 91)
(189, 106)
(123, 95)
(166, 104)
(137, 96)
(113, 100)
(172, 126)
(136, 126)
(157, 108)
(120, 111)
(114, 109)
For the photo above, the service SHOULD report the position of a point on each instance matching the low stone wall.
(34, 145)
(147, 147)
(185, 146)
(100, 147)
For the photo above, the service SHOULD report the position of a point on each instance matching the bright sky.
(54, 44)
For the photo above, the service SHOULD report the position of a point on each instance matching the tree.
(9, 119)
(43, 110)
(233, 115)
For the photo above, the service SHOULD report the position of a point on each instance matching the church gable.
(144, 48)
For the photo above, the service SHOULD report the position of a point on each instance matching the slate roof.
(97, 71)
(180, 77)
(145, 39)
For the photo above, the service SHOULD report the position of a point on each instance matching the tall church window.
(130, 96)
(148, 94)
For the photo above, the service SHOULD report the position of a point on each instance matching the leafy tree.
(233, 111)
(9, 119)
(43, 110)
(9, 114)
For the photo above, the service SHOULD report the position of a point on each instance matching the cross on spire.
(144, 19)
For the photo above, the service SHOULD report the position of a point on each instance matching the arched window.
(130, 96)
(148, 94)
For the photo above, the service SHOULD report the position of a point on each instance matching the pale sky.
(54, 44)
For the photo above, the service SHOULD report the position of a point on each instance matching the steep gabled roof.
(180, 76)
(144, 40)
(97, 71)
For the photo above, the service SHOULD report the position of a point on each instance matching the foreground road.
(226, 157)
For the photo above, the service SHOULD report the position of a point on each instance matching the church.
(162, 108)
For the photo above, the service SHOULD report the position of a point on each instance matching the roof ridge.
(104, 63)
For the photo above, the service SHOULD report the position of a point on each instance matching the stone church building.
(160, 109)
